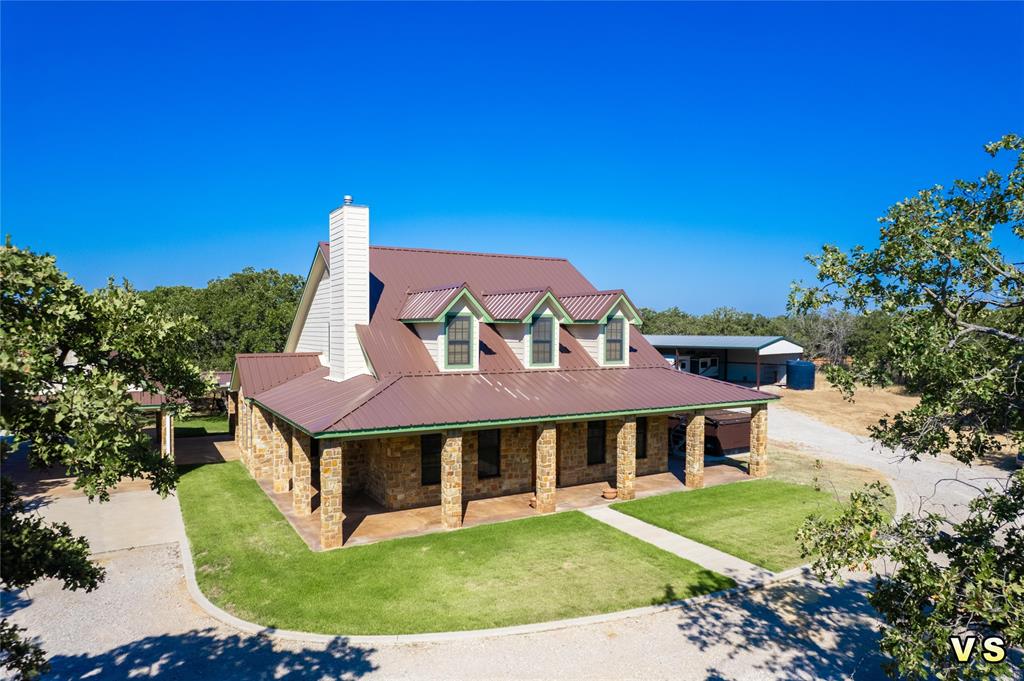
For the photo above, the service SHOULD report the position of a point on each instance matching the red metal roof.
(429, 303)
(513, 304)
(571, 354)
(362, 404)
(589, 306)
(259, 372)
(410, 391)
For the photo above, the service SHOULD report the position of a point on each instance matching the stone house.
(429, 378)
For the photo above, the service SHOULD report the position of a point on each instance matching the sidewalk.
(742, 572)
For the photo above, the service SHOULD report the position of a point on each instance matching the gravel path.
(141, 623)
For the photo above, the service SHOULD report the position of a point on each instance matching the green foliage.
(18, 654)
(249, 311)
(954, 330)
(948, 579)
(68, 359)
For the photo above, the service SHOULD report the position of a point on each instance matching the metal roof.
(513, 304)
(713, 342)
(361, 405)
(429, 303)
(408, 390)
(589, 306)
(259, 372)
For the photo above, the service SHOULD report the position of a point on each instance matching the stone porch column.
(625, 461)
(547, 463)
(758, 467)
(302, 471)
(280, 447)
(451, 480)
(261, 462)
(695, 449)
(331, 517)
(242, 438)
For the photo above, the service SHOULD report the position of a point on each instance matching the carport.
(748, 360)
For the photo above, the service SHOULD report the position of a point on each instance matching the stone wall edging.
(436, 637)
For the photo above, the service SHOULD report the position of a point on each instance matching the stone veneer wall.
(391, 474)
(657, 447)
(516, 465)
(572, 454)
(388, 469)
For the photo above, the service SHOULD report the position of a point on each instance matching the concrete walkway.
(742, 572)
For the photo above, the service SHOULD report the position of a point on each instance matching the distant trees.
(248, 311)
(833, 335)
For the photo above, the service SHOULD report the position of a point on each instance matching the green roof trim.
(433, 427)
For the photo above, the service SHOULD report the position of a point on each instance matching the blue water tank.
(799, 374)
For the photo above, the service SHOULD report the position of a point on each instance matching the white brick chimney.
(350, 288)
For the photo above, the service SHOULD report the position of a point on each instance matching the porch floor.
(366, 521)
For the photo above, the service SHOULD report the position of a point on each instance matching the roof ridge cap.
(592, 293)
(503, 292)
(475, 253)
(439, 287)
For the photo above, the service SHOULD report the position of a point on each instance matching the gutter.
(434, 427)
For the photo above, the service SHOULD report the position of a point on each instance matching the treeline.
(248, 311)
(252, 311)
(834, 335)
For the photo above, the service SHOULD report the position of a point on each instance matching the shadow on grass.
(201, 653)
(801, 629)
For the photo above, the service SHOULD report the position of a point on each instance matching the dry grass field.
(826, 404)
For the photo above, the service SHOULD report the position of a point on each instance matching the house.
(428, 378)
(754, 360)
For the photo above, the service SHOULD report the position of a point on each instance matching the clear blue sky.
(690, 154)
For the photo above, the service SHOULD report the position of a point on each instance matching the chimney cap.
(348, 199)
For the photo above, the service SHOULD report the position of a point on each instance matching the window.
(613, 336)
(430, 459)
(488, 452)
(542, 332)
(641, 437)
(459, 333)
(595, 442)
(708, 366)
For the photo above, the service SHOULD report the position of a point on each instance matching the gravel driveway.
(141, 622)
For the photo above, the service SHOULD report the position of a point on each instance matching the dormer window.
(542, 341)
(459, 335)
(614, 340)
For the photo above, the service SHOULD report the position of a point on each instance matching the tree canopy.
(248, 311)
(68, 359)
(954, 328)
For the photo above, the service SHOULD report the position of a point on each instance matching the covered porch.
(366, 521)
(307, 480)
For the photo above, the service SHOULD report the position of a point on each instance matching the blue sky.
(690, 153)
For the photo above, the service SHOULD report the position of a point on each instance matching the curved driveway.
(141, 623)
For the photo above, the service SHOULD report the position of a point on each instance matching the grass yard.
(250, 562)
(197, 426)
(756, 521)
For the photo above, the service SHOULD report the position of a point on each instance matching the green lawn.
(250, 562)
(756, 521)
(195, 426)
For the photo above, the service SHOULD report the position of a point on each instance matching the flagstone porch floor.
(367, 522)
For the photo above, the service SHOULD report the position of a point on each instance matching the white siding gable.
(315, 334)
